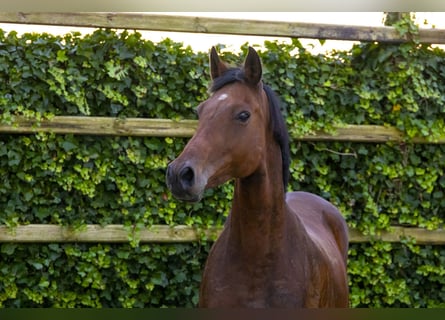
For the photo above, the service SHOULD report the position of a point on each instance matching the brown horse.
(276, 249)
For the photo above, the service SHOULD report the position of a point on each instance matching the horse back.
(327, 231)
(320, 218)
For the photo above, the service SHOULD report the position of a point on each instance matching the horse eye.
(243, 116)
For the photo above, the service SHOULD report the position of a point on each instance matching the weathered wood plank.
(358, 133)
(367, 133)
(103, 126)
(183, 128)
(398, 234)
(158, 22)
(42, 233)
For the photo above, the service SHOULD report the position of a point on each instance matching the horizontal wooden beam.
(43, 233)
(102, 126)
(183, 128)
(399, 234)
(173, 23)
(36, 233)
(358, 133)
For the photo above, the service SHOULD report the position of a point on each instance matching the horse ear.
(217, 67)
(252, 67)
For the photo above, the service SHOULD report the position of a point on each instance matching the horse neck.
(258, 216)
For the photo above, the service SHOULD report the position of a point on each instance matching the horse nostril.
(186, 176)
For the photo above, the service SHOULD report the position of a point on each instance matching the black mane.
(277, 121)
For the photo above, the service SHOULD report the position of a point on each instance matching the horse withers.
(276, 249)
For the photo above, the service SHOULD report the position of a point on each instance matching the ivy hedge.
(77, 180)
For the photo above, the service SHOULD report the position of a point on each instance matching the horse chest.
(230, 282)
(242, 291)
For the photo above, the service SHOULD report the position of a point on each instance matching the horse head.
(231, 135)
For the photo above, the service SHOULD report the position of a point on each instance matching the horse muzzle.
(183, 182)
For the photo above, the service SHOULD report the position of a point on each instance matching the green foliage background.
(77, 180)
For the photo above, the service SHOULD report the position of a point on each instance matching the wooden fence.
(220, 26)
(185, 128)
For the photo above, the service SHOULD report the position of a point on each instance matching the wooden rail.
(158, 22)
(102, 126)
(36, 233)
(44, 233)
(184, 128)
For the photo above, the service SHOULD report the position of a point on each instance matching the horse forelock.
(278, 123)
(230, 76)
